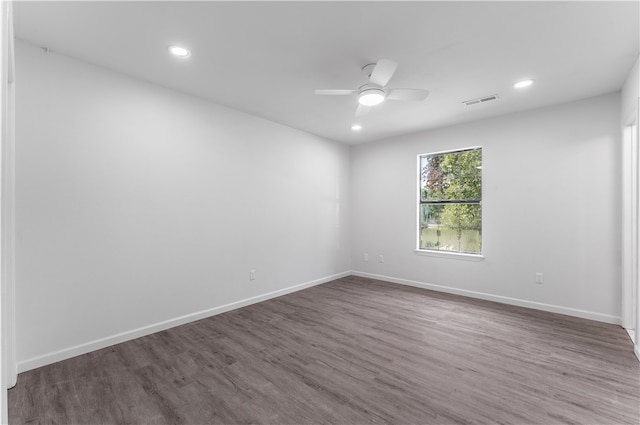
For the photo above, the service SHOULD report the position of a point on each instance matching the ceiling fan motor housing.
(368, 69)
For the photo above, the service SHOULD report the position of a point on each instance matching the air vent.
(481, 100)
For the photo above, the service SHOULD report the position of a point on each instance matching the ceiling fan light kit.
(371, 96)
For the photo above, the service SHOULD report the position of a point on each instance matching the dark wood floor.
(352, 351)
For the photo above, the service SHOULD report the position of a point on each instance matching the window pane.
(435, 190)
(470, 241)
(451, 176)
(470, 216)
(471, 228)
(470, 188)
(451, 188)
(431, 178)
(422, 178)
(430, 225)
(450, 216)
(471, 163)
(449, 163)
(430, 215)
(451, 227)
(440, 238)
(430, 238)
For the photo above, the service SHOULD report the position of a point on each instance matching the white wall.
(139, 207)
(629, 95)
(551, 204)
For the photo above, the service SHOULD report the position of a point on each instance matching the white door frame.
(631, 227)
(8, 370)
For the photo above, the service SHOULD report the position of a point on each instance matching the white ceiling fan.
(374, 92)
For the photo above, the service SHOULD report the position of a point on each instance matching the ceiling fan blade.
(382, 72)
(362, 110)
(407, 94)
(336, 92)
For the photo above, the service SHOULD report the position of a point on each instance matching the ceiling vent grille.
(481, 100)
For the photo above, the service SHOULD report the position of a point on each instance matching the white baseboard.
(98, 344)
(616, 320)
(636, 351)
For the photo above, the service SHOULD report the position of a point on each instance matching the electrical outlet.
(381, 258)
(365, 257)
(252, 275)
(539, 278)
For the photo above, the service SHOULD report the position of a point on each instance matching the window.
(450, 206)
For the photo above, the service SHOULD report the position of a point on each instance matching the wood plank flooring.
(352, 351)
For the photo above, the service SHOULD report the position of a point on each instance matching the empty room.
(320, 212)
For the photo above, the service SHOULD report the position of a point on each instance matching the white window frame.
(440, 253)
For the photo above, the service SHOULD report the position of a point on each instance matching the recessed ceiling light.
(356, 127)
(522, 84)
(371, 97)
(180, 52)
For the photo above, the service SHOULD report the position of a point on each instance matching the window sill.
(450, 255)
